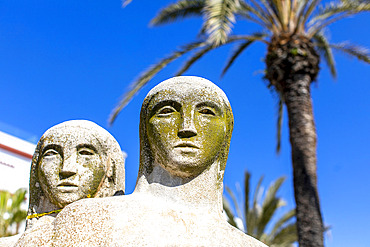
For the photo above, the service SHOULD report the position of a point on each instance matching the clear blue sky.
(62, 60)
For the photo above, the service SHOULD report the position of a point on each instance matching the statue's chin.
(184, 168)
(62, 200)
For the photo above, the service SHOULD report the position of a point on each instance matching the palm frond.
(287, 234)
(270, 204)
(258, 216)
(246, 11)
(18, 197)
(178, 10)
(235, 201)
(346, 6)
(267, 213)
(210, 47)
(13, 211)
(281, 9)
(241, 47)
(266, 11)
(282, 221)
(4, 197)
(253, 214)
(334, 12)
(219, 17)
(299, 15)
(320, 25)
(324, 48)
(361, 53)
(257, 191)
(228, 211)
(149, 74)
(311, 6)
(194, 58)
(256, 14)
(308, 6)
(286, 9)
(125, 3)
(272, 190)
(292, 15)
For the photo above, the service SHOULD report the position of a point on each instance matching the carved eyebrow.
(160, 104)
(87, 145)
(211, 104)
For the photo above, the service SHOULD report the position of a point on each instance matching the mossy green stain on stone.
(195, 116)
(170, 209)
(87, 169)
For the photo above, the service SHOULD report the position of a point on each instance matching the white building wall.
(15, 162)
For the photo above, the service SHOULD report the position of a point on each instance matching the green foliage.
(352, 50)
(200, 48)
(126, 2)
(298, 22)
(324, 48)
(258, 214)
(219, 16)
(346, 7)
(306, 18)
(149, 74)
(10, 211)
(240, 48)
(178, 10)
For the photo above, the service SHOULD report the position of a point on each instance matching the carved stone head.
(185, 126)
(74, 160)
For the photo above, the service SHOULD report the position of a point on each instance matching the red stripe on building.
(15, 151)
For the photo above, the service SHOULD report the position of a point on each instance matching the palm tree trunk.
(297, 97)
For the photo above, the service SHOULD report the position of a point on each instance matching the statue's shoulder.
(9, 241)
(91, 210)
(39, 234)
(87, 220)
(242, 239)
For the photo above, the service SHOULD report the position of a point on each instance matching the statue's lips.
(67, 185)
(186, 145)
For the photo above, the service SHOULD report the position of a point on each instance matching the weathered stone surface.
(9, 241)
(73, 160)
(185, 130)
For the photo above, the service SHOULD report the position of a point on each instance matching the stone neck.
(202, 191)
(44, 206)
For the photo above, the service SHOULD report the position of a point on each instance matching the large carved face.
(70, 166)
(186, 128)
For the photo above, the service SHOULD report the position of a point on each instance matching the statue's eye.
(86, 151)
(207, 111)
(166, 110)
(50, 152)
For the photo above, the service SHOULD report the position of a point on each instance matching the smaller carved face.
(186, 129)
(70, 165)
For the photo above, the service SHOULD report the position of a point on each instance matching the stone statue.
(185, 130)
(73, 160)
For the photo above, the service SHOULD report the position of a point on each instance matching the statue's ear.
(109, 167)
(118, 169)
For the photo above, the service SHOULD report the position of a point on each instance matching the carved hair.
(111, 156)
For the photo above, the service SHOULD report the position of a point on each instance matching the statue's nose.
(187, 128)
(69, 167)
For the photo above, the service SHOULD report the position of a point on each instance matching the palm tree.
(256, 216)
(11, 212)
(293, 31)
